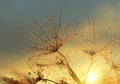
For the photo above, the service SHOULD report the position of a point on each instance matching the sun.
(92, 76)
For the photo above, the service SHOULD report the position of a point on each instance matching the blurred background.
(16, 14)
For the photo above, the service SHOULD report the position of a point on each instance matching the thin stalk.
(71, 72)
(88, 70)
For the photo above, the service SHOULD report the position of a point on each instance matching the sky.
(16, 14)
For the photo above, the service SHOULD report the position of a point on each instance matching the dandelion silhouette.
(48, 41)
(93, 40)
(48, 60)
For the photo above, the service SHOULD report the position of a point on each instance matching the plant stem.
(71, 72)
(85, 81)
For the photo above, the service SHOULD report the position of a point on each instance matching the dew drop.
(28, 59)
(46, 39)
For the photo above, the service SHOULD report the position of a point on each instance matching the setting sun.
(59, 42)
(92, 77)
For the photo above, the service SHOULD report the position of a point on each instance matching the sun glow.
(92, 77)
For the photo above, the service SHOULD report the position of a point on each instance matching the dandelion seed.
(50, 39)
(113, 60)
(93, 39)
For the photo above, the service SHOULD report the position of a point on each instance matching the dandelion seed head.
(93, 39)
(49, 38)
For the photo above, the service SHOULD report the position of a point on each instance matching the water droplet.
(28, 59)
(50, 18)
(51, 47)
(46, 39)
